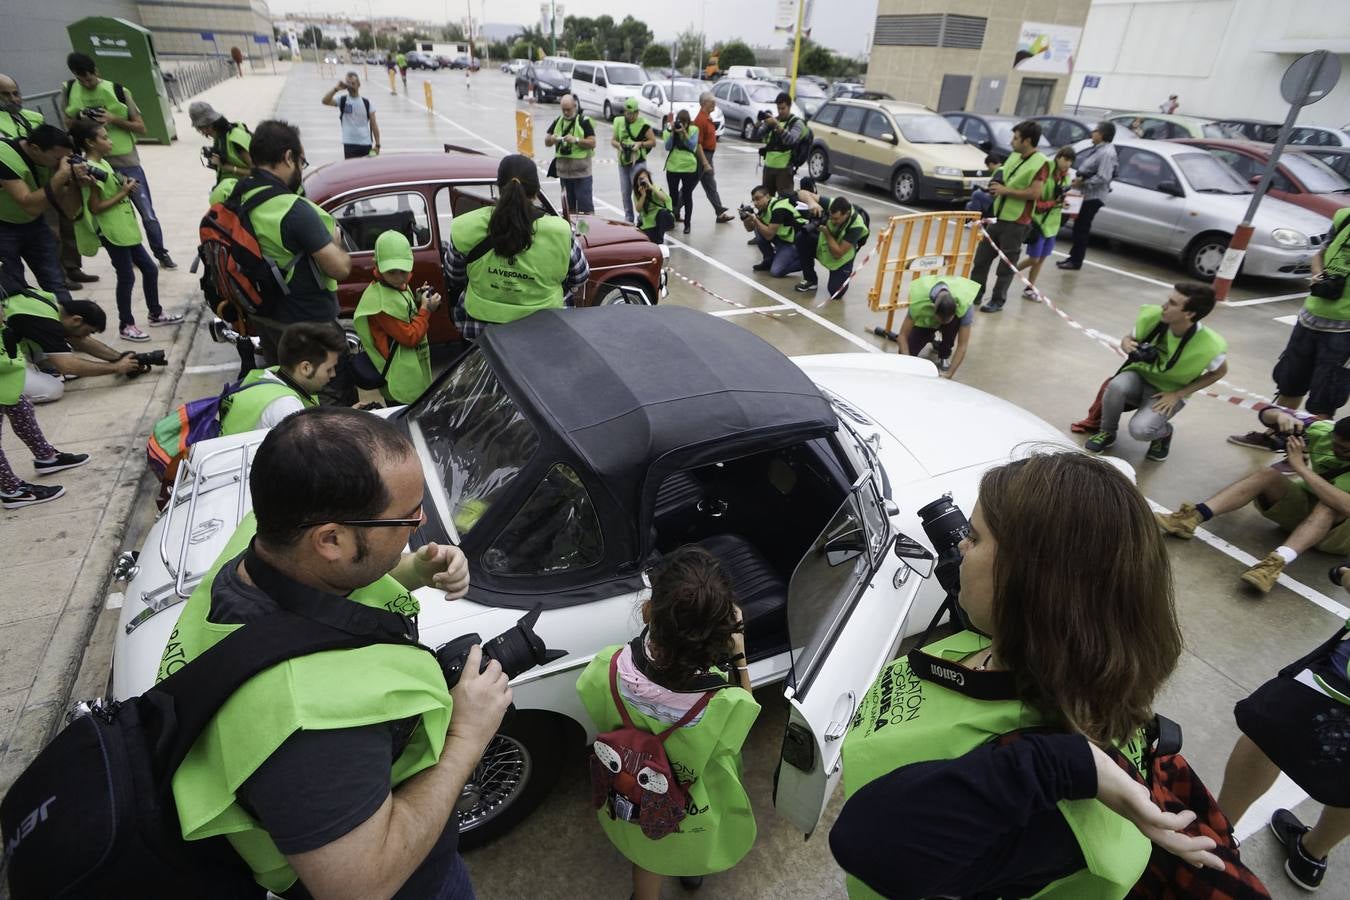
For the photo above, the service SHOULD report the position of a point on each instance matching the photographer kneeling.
(1171, 356)
(839, 231)
(345, 766)
(1074, 646)
(774, 221)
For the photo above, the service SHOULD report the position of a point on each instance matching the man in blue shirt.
(360, 130)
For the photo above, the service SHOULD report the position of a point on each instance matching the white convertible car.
(567, 452)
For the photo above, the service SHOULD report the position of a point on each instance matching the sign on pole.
(1092, 81)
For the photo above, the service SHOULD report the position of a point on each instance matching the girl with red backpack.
(673, 708)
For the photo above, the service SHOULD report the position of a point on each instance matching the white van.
(602, 87)
(758, 73)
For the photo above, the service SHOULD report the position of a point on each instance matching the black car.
(1065, 130)
(547, 83)
(992, 134)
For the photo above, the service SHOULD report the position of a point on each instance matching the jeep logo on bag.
(29, 822)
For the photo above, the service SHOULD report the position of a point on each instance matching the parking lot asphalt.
(1025, 354)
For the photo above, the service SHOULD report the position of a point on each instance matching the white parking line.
(1256, 301)
(1284, 794)
(214, 367)
(1287, 320)
(754, 310)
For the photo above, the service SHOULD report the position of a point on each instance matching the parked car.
(1183, 200)
(842, 87)
(562, 63)
(588, 463)
(860, 93)
(903, 148)
(420, 193)
(661, 101)
(419, 60)
(1249, 130)
(810, 96)
(546, 83)
(464, 62)
(1161, 126)
(992, 134)
(755, 73)
(742, 99)
(1299, 179)
(1336, 157)
(1065, 130)
(602, 87)
(1320, 136)
(515, 66)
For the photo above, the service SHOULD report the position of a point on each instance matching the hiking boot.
(163, 318)
(1258, 440)
(1182, 523)
(805, 287)
(1301, 868)
(1100, 441)
(60, 462)
(31, 495)
(1262, 576)
(1158, 450)
(132, 333)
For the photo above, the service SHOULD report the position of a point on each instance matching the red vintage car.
(419, 193)
(1299, 179)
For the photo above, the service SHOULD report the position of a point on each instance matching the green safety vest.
(12, 373)
(504, 290)
(241, 411)
(222, 191)
(1200, 351)
(1049, 221)
(117, 224)
(823, 254)
(562, 127)
(1018, 173)
(237, 136)
(410, 372)
(655, 203)
(786, 232)
(402, 61)
(1322, 455)
(21, 125)
(10, 210)
(1336, 260)
(777, 157)
(680, 160)
(719, 827)
(334, 689)
(32, 302)
(266, 221)
(903, 719)
(624, 131)
(79, 97)
(921, 308)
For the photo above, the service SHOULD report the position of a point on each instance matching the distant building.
(179, 26)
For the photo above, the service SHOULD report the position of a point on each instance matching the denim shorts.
(1040, 247)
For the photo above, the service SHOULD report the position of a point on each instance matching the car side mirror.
(1172, 187)
(888, 137)
(918, 558)
(846, 547)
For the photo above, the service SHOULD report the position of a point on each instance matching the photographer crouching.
(773, 220)
(836, 232)
(1171, 355)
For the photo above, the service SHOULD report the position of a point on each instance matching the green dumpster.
(125, 53)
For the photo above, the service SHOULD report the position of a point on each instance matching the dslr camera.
(94, 113)
(95, 172)
(146, 360)
(207, 153)
(745, 211)
(517, 650)
(1143, 352)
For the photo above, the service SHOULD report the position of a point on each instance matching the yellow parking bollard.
(393, 89)
(524, 133)
(426, 92)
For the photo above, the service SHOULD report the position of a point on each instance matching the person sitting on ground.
(941, 312)
(1171, 356)
(51, 331)
(774, 228)
(1312, 507)
(309, 357)
(655, 213)
(391, 318)
(229, 141)
(834, 243)
(1045, 221)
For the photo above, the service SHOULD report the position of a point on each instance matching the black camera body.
(146, 360)
(207, 153)
(94, 113)
(946, 527)
(762, 115)
(1327, 286)
(1144, 352)
(745, 211)
(517, 650)
(95, 172)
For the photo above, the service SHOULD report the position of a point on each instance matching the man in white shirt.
(360, 129)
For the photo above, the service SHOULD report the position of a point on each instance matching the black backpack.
(801, 151)
(94, 816)
(345, 99)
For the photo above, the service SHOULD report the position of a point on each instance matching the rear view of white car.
(661, 101)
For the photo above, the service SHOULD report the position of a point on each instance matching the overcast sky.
(842, 25)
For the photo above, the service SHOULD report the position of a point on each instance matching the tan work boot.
(1182, 523)
(1262, 575)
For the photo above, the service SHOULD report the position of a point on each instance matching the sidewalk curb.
(43, 712)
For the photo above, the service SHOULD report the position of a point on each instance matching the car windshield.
(685, 92)
(928, 129)
(808, 89)
(762, 93)
(473, 440)
(1209, 175)
(551, 74)
(625, 74)
(1316, 177)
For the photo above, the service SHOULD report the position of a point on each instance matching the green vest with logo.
(237, 136)
(921, 308)
(1018, 173)
(79, 97)
(823, 254)
(241, 411)
(32, 302)
(117, 224)
(335, 689)
(778, 156)
(504, 290)
(10, 210)
(903, 719)
(624, 132)
(1049, 221)
(1200, 350)
(785, 232)
(655, 203)
(18, 125)
(410, 371)
(719, 826)
(266, 221)
(1335, 260)
(562, 128)
(682, 161)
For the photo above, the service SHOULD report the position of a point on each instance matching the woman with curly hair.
(692, 648)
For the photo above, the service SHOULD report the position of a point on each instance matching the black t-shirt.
(303, 232)
(46, 334)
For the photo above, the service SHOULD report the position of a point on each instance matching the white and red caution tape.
(772, 314)
(858, 267)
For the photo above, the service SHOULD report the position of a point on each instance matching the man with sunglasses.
(344, 767)
(301, 238)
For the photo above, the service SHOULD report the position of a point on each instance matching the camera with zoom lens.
(1143, 352)
(946, 527)
(95, 172)
(146, 360)
(745, 211)
(517, 650)
(207, 153)
(762, 115)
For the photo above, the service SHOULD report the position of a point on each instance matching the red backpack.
(632, 774)
(237, 270)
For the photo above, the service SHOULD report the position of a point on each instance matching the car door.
(844, 150)
(740, 108)
(847, 605)
(977, 133)
(875, 148)
(1138, 209)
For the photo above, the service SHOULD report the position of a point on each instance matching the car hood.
(599, 231)
(965, 157)
(1271, 214)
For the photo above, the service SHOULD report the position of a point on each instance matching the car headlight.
(1288, 237)
(948, 170)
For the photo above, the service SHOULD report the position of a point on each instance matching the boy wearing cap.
(392, 321)
(229, 153)
(941, 312)
(633, 138)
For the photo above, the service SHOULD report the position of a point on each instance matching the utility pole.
(553, 25)
(797, 48)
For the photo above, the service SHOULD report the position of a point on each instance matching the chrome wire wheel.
(497, 782)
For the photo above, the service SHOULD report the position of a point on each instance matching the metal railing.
(186, 80)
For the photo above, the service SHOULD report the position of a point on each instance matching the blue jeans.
(626, 191)
(146, 207)
(126, 260)
(578, 191)
(779, 255)
(457, 885)
(806, 253)
(33, 243)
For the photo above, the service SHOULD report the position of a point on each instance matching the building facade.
(179, 26)
(980, 55)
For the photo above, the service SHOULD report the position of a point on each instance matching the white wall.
(1208, 52)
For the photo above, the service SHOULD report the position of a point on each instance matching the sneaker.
(1262, 575)
(1301, 868)
(761, 267)
(1031, 294)
(31, 495)
(166, 261)
(60, 463)
(805, 287)
(166, 319)
(724, 217)
(992, 306)
(1258, 440)
(132, 333)
(1182, 523)
(1100, 441)
(1158, 450)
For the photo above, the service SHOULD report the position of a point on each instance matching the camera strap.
(973, 683)
(1158, 331)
